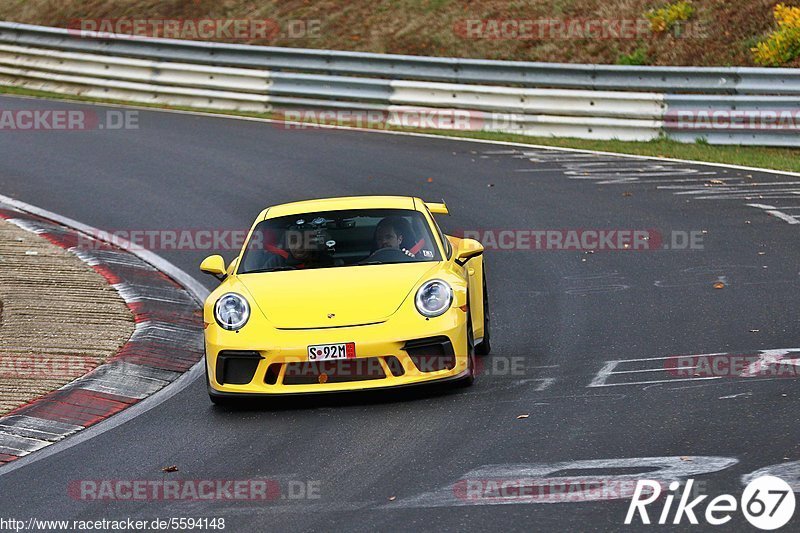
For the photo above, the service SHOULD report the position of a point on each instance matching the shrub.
(783, 44)
(637, 57)
(665, 18)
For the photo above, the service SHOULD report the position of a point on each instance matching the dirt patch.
(58, 317)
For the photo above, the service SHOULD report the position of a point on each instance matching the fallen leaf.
(626, 193)
(686, 458)
(392, 498)
(719, 285)
(172, 468)
(716, 182)
(430, 180)
(520, 417)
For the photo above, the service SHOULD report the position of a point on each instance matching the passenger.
(302, 249)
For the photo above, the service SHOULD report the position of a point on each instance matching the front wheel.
(470, 378)
(484, 347)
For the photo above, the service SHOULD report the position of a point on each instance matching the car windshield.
(339, 238)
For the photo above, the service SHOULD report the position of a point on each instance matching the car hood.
(354, 295)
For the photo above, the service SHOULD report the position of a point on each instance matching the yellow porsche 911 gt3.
(345, 294)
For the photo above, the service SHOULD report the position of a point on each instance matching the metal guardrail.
(542, 99)
(725, 80)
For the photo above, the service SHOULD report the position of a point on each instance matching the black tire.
(484, 347)
(468, 380)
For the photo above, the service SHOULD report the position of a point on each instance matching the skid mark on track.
(584, 285)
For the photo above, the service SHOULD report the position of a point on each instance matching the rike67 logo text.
(767, 503)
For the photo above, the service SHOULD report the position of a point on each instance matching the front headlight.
(232, 311)
(434, 298)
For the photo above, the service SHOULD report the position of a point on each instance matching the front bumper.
(242, 366)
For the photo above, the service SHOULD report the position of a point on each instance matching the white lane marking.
(789, 472)
(722, 192)
(650, 370)
(545, 384)
(530, 170)
(666, 357)
(194, 287)
(652, 382)
(612, 368)
(768, 358)
(604, 373)
(771, 210)
(732, 396)
(671, 178)
(732, 186)
(783, 216)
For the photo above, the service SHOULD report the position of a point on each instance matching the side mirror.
(214, 265)
(467, 249)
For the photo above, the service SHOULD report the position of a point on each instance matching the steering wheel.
(388, 255)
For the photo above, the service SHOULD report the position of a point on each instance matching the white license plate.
(331, 352)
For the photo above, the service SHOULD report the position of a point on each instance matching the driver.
(392, 232)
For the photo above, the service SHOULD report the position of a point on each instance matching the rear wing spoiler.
(438, 208)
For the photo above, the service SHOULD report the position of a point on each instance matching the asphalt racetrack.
(589, 335)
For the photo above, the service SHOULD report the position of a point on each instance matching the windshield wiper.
(270, 269)
(371, 263)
